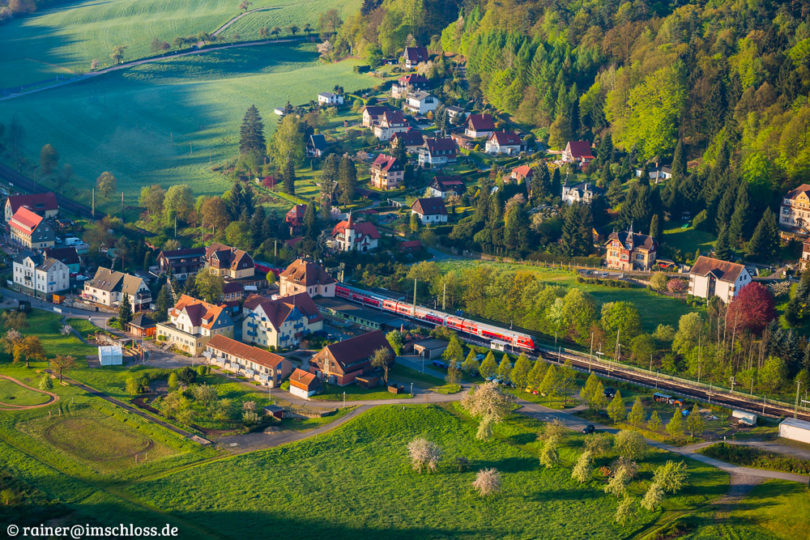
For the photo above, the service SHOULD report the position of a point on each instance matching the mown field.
(66, 39)
(173, 121)
(654, 308)
(356, 480)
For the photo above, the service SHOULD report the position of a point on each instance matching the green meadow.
(66, 39)
(173, 121)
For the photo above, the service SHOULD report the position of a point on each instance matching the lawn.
(688, 240)
(654, 309)
(13, 394)
(84, 327)
(355, 393)
(64, 40)
(48, 327)
(172, 121)
(356, 481)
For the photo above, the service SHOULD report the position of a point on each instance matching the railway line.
(24, 183)
(584, 363)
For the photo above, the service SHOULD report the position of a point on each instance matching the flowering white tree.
(425, 455)
(487, 482)
(488, 400)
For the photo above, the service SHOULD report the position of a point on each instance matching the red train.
(498, 337)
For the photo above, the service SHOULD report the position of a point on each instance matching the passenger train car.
(488, 332)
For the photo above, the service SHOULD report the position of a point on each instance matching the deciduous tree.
(383, 358)
(105, 184)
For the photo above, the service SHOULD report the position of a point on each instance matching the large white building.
(349, 235)
(714, 277)
(794, 214)
(303, 275)
(39, 275)
(281, 322)
(108, 288)
(192, 323)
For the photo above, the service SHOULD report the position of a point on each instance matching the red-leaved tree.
(752, 309)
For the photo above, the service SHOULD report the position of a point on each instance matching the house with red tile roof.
(408, 83)
(430, 210)
(479, 126)
(228, 262)
(414, 55)
(388, 123)
(578, 152)
(794, 212)
(627, 250)
(715, 277)
(44, 204)
(387, 172)
(192, 323)
(29, 229)
(350, 235)
(304, 384)
(281, 322)
(295, 218)
(522, 173)
(262, 366)
(437, 152)
(304, 275)
(504, 142)
(341, 363)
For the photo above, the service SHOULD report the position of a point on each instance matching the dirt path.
(227, 25)
(10, 407)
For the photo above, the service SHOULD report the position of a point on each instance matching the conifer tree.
(347, 180)
(655, 227)
(289, 177)
(764, 244)
(616, 410)
(520, 373)
(636, 416)
(488, 367)
(251, 134)
(505, 369)
(739, 226)
(722, 249)
(536, 375)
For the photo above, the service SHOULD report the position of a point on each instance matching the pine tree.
(347, 180)
(329, 178)
(310, 222)
(556, 184)
(289, 177)
(764, 244)
(505, 369)
(488, 367)
(615, 193)
(470, 365)
(636, 416)
(675, 425)
(617, 410)
(722, 249)
(124, 311)
(655, 227)
(739, 226)
(520, 373)
(586, 394)
(536, 374)
(694, 422)
(725, 209)
(551, 382)
(540, 184)
(679, 163)
(654, 423)
(576, 231)
(251, 134)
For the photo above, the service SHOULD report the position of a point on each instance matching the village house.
(522, 173)
(414, 55)
(656, 174)
(406, 84)
(804, 263)
(304, 384)
(303, 275)
(455, 114)
(437, 152)
(794, 214)
(443, 186)
(420, 102)
(580, 193)
(264, 367)
(479, 126)
(108, 288)
(504, 142)
(39, 275)
(629, 251)
(349, 235)
(387, 172)
(316, 145)
(142, 326)
(389, 123)
(430, 210)
(295, 218)
(412, 139)
(228, 262)
(341, 363)
(714, 277)
(578, 152)
(181, 263)
(30, 230)
(192, 323)
(281, 322)
(330, 99)
(66, 255)
(371, 114)
(44, 204)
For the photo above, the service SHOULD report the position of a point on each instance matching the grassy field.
(356, 480)
(48, 327)
(173, 121)
(654, 309)
(688, 240)
(65, 40)
(354, 392)
(12, 393)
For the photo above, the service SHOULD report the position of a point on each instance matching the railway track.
(24, 183)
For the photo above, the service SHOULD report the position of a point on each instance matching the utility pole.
(93, 203)
(122, 206)
(796, 407)
(618, 346)
(175, 226)
(414, 297)
(700, 335)
(590, 355)
(444, 296)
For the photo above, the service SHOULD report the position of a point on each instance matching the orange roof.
(361, 228)
(25, 221)
(522, 171)
(242, 350)
(201, 313)
(302, 379)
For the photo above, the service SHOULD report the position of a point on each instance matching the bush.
(753, 457)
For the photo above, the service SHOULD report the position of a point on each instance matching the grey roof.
(22, 255)
(50, 262)
(109, 280)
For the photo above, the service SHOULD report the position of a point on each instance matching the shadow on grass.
(512, 464)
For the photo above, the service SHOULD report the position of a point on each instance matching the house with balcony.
(388, 123)
(580, 193)
(411, 139)
(437, 152)
(387, 172)
(330, 99)
(228, 262)
(341, 363)
(504, 142)
(108, 287)
(715, 277)
(43, 204)
(350, 235)
(30, 230)
(303, 275)
(578, 153)
(408, 83)
(39, 275)
(630, 251)
(281, 322)
(421, 102)
(264, 367)
(794, 212)
(192, 323)
(67, 255)
(181, 263)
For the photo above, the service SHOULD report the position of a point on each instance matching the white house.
(360, 236)
(389, 123)
(280, 322)
(262, 366)
(714, 277)
(303, 275)
(504, 142)
(330, 98)
(108, 287)
(479, 125)
(39, 275)
(421, 102)
(430, 210)
(581, 193)
(304, 384)
(437, 152)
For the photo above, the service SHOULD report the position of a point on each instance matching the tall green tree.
(488, 366)
(252, 144)
(124, 311)
(347, 180)
(289, 177)
(48, 159)
(722, 247)
(764, 244)
(617, 410)
(577, 236)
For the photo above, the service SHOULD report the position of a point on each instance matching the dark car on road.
(610, 392)
(588, 429)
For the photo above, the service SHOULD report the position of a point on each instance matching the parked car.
(588, 429)
(610, 393)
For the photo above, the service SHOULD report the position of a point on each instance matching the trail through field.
(150, 60)
(225, 26)
(53, 398)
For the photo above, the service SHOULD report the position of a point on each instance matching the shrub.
(487, 482)
(676, 286)
(630, 444)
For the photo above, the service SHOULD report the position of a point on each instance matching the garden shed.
(110, 355)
